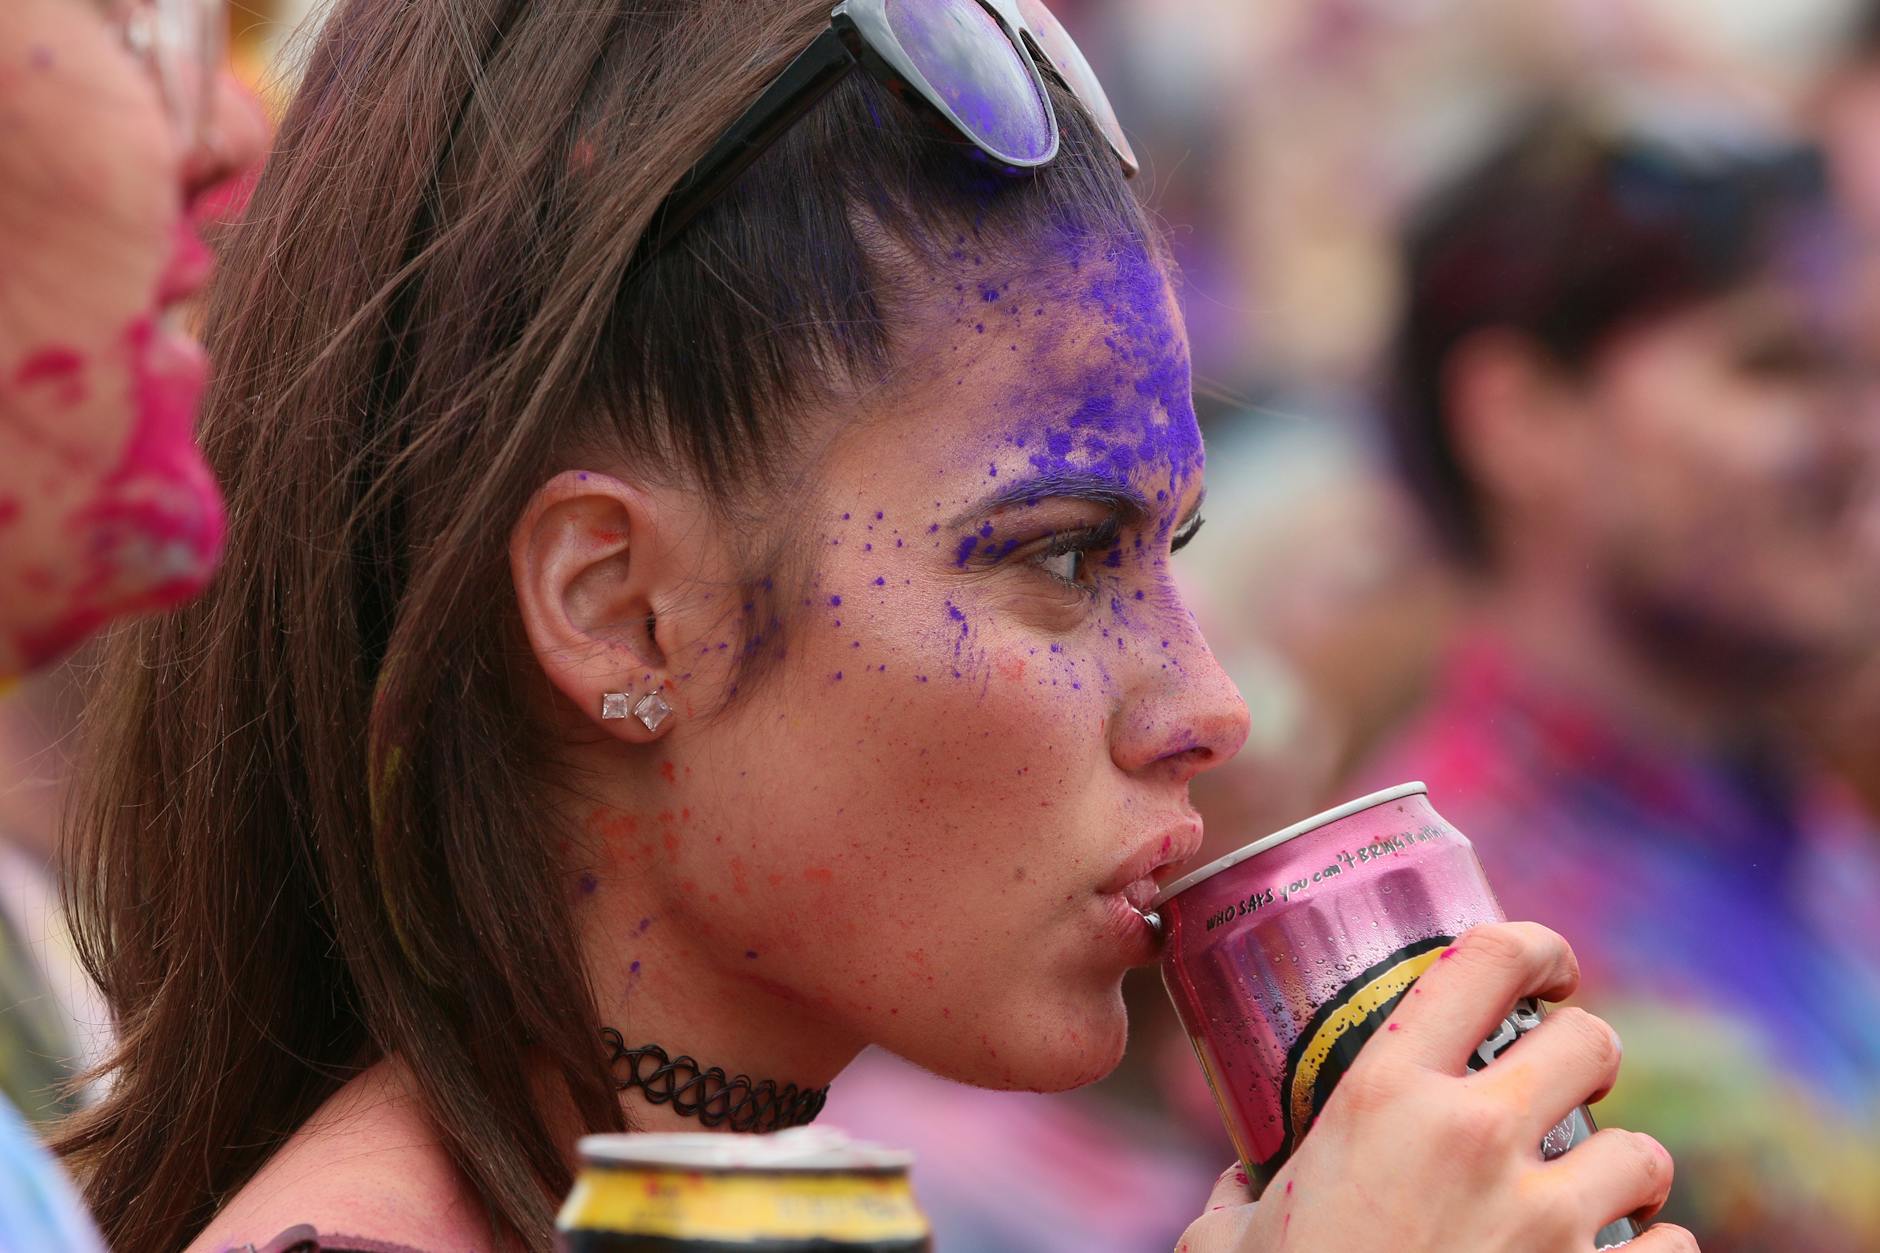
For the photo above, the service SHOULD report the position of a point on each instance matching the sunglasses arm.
(807, 79)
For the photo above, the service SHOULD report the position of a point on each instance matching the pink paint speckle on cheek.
(49, 365)
(59, 370)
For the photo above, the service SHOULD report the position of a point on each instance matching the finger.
(1664, 1239)
(1466, 992)
(1572, 1058)
(1616, 1174)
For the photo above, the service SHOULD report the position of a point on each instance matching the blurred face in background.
(1724, 467)
(105, 505)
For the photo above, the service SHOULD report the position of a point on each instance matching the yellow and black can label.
(658, 1210)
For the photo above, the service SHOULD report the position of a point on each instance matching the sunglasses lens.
(1067, 59)
(973, 67)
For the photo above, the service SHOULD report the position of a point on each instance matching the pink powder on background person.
(154, 530)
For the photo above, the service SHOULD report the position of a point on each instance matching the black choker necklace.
(712, 1097)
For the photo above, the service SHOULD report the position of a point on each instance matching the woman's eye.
(1066, 567)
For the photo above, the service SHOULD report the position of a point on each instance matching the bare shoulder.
(366, 1165)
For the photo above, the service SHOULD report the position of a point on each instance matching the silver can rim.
(1268, 842)
(802, 1150)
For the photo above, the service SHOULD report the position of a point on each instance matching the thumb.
(1231, 1189)
(1224, 1219)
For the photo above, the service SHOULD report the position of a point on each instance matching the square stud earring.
(616, 705)
(652, 711)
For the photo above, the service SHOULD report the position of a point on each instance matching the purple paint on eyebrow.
(965, 552)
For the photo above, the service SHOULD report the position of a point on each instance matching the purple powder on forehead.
(1137, 415)
(836, 601)
(881, 582)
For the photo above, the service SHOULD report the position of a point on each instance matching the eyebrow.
(1119, 498)
(1126, 502)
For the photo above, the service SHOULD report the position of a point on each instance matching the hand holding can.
(1451, 1130)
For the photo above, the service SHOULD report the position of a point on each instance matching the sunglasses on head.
(975, 66)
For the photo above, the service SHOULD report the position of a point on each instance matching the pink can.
(1284, 957)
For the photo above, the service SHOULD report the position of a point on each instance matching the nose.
(1187, 719)
(234, 144)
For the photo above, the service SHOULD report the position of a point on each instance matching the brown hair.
(315, 833)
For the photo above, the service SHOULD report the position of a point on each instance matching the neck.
(662, 982)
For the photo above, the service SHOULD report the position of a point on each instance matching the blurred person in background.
(105, 506)
(1844, 717)
(1627, 393)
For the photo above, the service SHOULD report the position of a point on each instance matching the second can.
(1285, 957)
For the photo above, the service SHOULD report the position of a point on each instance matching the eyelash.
(1098, 539)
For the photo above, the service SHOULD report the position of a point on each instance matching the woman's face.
(105, 505)
(931, 822)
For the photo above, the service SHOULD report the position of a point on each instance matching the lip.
(1136, 881)
(189, 269)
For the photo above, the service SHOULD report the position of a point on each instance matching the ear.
(585, 561)
(1517, 422)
